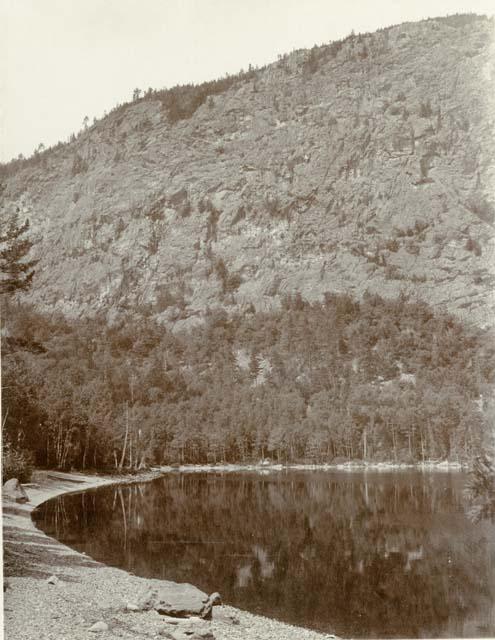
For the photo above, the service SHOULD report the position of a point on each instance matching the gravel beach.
(88, 599)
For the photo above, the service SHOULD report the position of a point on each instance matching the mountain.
(362, 165)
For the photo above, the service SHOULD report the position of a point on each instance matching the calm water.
(362, 555)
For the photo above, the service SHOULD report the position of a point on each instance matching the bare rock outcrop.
(365, 164)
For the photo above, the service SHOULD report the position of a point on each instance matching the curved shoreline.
(87, 591)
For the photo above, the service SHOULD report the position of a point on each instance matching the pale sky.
(63, 59)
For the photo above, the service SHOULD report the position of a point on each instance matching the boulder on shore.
(179, 601)
(13, 490)
(98, 627)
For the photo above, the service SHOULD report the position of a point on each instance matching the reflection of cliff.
(364, 555)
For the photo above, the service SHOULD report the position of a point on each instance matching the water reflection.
(362, 555)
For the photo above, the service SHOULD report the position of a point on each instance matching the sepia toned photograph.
(247, 298)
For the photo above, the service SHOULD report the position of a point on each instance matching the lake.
(370, 554)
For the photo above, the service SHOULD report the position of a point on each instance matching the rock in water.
(13, 490)
(99, 626)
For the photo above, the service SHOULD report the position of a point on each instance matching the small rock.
(202, 635)
(229, 618)
(166, 634)
(130, 606)
(99, 626)
(52, 580)
(13, 490)
(198, 628)
(147, 601)
(215, 599)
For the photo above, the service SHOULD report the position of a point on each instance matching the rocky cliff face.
(363, 165)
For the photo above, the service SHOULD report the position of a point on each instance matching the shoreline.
(350, 466)
(87, 592)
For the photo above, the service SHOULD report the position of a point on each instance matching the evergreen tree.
(16, 272)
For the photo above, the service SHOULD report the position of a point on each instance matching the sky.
(61, 60)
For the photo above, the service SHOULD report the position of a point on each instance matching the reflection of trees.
(362, 555)
(481, 486)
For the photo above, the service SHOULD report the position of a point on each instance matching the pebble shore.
(86, 594)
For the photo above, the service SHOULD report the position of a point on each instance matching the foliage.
(425, 110)
(79, 165)
(16, 462)
(341, 379)
(16, 273)
(182, 101)
(481, 487)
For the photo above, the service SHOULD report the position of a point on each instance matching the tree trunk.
(86, 446)
(394, 442)
(130, 452)
(122, 459)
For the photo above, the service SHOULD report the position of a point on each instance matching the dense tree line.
(373, 380)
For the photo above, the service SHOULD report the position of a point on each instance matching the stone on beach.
(202, 635)
(187, 634)
(99, 627)
(179, 601)
(13, 490)
(215, 599)
(52, 580)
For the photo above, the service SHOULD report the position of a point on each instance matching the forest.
(337, 380)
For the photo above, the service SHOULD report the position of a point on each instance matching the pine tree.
(16, 273)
